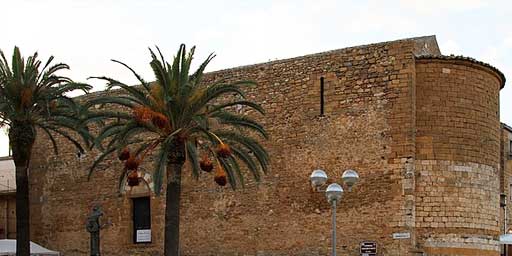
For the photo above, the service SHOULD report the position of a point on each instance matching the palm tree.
(31, 99)
(184, 121)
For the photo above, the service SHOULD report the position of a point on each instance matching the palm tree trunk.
(21, 138)
(172, 201)
(22, 212)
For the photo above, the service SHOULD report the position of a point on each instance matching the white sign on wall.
(405, 235)
(143, 236)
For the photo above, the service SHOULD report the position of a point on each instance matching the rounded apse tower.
(457, 156)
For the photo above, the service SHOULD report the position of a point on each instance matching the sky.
(88, 34)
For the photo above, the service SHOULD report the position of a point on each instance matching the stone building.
(506, 184)
(7, 198)
(422, 130)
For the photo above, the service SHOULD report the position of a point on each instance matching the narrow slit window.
(321, 96)
(510, 191)
(510, 149)
(141, 220)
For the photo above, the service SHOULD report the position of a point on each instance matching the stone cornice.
(500, 74)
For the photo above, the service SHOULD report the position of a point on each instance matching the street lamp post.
(334, 192)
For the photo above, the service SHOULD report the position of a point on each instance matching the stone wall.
(8, 215)
(457, 156)
(506, 178)
(377, 104)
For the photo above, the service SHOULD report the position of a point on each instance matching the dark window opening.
(510, 191)
(141, 220)
(321, 96)
(510, 148)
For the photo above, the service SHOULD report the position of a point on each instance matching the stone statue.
(93, 226)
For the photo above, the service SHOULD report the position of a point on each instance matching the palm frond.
(125, 101)
(100, 159)
(249, 162)
(203, 96)
(66, 135)
(251, 144)
(228, 118)
(192, 157)
(141, 80)
(197, 77)
(242, 103)
(52, 139)
(160, 71)
(236, 169)
(229, 171)
(160, 166)
(131, 90)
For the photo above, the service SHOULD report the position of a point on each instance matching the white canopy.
(8, 248)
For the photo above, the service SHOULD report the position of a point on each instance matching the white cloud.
(449, 47)
(508, 41)
(87, 34)
(439, 6)
(491, 54)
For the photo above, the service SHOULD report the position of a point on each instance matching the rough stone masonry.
(421, 129)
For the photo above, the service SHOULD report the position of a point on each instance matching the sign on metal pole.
(368, 248)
